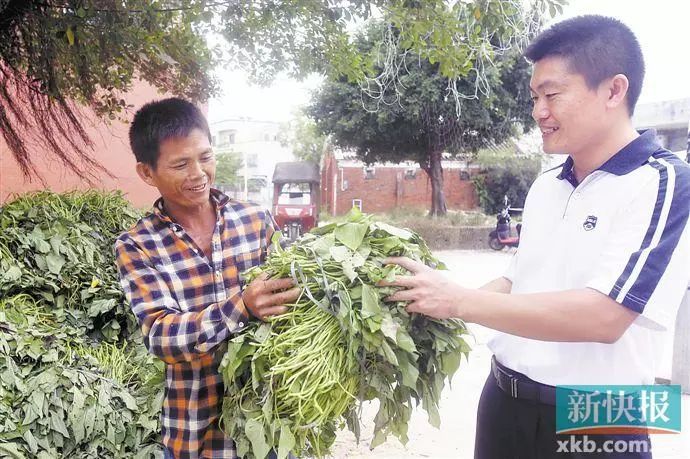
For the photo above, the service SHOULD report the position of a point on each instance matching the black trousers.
(511, 428)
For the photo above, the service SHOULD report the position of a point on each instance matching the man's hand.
(265, 297)
(429, 291)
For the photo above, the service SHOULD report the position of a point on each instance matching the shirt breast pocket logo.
(590, 223)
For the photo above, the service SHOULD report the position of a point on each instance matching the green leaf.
(393, 231)
(349, 270)
(99, 307)
(126, 397)
(379, 438)
(263, 332)
(286, 442)
(388, 353)
(12, 450)
(30, 441)
(358, 260)
(340, 253)
(450, 362)
(55, 262)
(370, 302)
(405, 342)
(432, 410)
(410, 373)
(351, 234)
(58, 424)
(389, 328)
(234, 357)
(255, 432)
(76, 414)
(13, 274)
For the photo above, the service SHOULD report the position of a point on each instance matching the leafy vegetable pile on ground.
(291, 383)
(75, 380)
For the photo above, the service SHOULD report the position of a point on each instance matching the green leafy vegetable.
(292, 382)
(75, 378)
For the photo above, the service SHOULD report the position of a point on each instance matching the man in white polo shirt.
(604, 256)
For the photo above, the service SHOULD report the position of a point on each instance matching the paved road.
(455, 438)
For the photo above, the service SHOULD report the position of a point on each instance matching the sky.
(662, 28)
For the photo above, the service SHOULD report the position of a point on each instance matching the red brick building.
(383, 187)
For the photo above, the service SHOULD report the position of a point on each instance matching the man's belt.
(520, 386)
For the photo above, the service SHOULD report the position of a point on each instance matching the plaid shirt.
(187, 307)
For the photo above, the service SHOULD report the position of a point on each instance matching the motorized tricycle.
(296, 197)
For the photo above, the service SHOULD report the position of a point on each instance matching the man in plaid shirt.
(180, 266)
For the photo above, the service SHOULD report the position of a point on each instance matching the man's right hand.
(265, 297)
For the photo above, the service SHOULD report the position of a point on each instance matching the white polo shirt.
(624, 232)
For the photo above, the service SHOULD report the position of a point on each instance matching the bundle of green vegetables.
(293, 381)
(59, 247)
(62, 395)
(75, 379)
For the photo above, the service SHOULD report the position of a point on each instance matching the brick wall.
(389, 188)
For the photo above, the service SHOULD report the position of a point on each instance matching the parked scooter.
(503, 235)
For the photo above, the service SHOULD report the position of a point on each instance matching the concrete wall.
(671, 119)
(665, 114)
(111, 150)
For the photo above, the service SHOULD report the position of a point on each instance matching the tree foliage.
(419, 122)
(305, 139)
(62, 60)
(315, 36)
(228, 164)
(512, 177)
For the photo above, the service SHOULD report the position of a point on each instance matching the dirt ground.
(458, 407)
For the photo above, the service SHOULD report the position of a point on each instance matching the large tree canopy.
(59, 56)
(419, 121)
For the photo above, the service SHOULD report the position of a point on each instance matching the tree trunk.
(434, 170)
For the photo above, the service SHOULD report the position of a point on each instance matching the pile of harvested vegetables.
(75, 379)
(293, 381)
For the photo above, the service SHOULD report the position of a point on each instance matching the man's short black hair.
(596, 47)
(161, 120)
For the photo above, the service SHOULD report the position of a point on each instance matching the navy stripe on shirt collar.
(629, 158)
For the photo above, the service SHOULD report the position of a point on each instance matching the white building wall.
(259, 145)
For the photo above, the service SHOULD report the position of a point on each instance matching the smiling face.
(571, 116)
(184, 172)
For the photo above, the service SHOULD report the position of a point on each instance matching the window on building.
(369, 172)
(411, 173)
(464, 175)
(226, 137)
(252, 159)
(357, 203)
